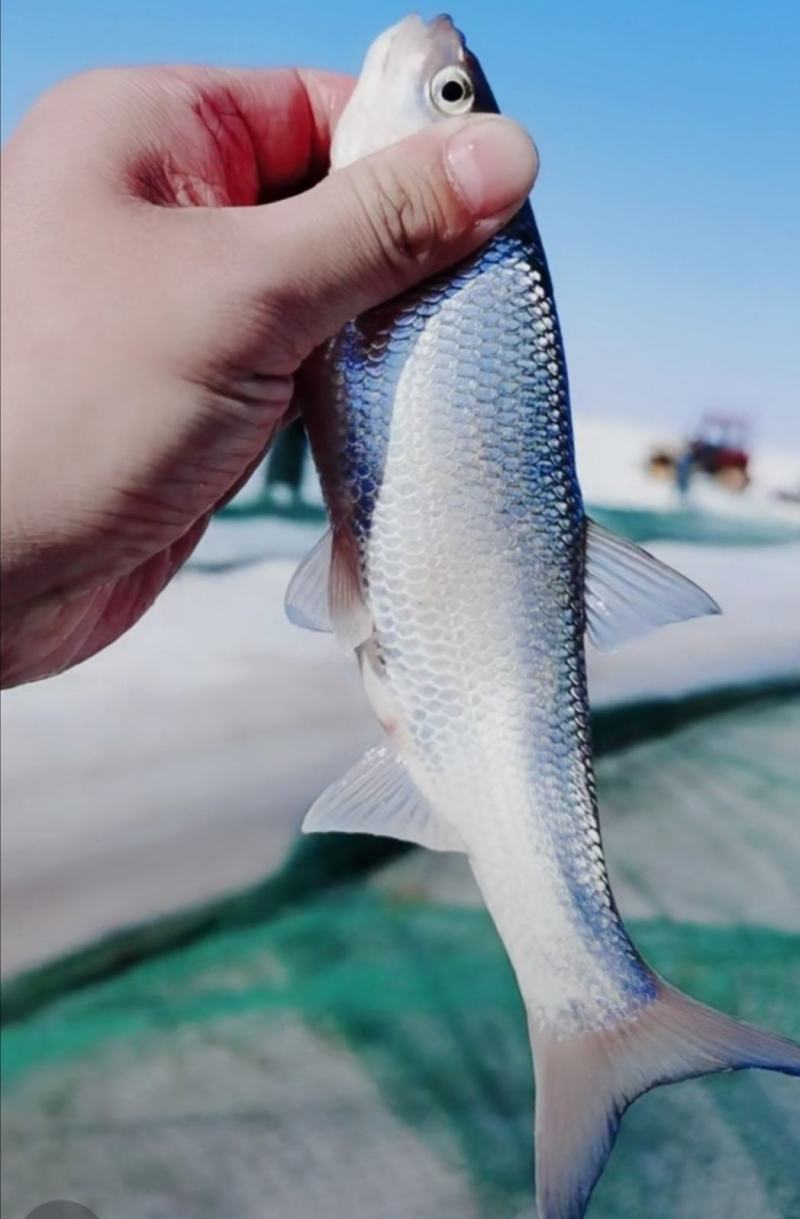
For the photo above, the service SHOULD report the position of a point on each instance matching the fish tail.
(584, 1084)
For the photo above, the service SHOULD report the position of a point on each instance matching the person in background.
(172, 251)
(284, 473)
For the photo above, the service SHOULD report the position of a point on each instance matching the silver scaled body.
(445, 449)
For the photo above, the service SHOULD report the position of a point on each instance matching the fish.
(462, 571)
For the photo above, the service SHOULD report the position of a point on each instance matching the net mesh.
(348, 1041)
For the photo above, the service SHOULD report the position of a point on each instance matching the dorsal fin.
(630, 593)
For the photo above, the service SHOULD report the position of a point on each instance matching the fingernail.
(492, 163)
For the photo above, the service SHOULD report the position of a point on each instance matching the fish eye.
(451, 91)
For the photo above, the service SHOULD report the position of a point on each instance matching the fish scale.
(487, 474)
(462, 571)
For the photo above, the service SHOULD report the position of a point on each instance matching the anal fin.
(378, 796)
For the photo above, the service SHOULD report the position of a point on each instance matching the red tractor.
(719, 449)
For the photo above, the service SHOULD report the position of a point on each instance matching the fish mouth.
(439, 32)
(444, 24)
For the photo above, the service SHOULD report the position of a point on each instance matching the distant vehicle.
(719, 449)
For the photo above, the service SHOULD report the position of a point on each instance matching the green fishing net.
(347, 1041)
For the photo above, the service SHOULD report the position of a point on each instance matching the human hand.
(172, 252)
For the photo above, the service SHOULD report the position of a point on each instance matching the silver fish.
(461, 568)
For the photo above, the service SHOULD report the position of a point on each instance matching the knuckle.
(86, 102)
(87, 85)
(404, 214)
(108, 92)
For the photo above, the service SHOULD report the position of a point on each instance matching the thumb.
(392, 219)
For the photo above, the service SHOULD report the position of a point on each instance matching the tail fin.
(585, 1083)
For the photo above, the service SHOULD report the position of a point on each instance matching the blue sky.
(669, 195)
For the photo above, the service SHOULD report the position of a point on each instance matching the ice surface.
(179, 763)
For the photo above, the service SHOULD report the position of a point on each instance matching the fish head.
(416, 73)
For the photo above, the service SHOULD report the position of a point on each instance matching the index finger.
(282, 119)
(185, 134)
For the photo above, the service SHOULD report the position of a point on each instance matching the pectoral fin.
(378, 796)
(629, 593)
(307, 595)
(352, 621)
(325, 593)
